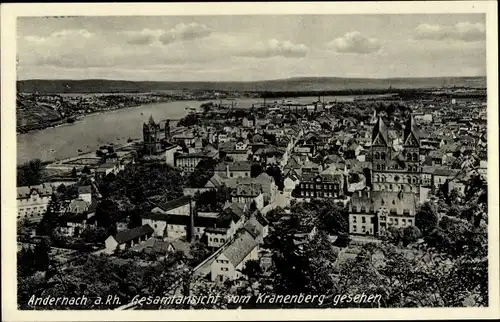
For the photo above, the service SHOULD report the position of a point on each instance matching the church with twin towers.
(396, 169)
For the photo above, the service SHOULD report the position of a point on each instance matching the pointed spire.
(410, 129)
(151, 120)
(380, 130)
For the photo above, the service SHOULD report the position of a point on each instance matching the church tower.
(411, 154)
(150, 136)
(167, 130)
(380, 153)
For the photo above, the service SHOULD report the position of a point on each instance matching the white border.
(9, 13)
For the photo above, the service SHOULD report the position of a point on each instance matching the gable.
(411, 141)
(379, 141)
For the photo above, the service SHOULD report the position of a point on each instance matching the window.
(377, 156)
(363, 220)
(354, 219)
(363, 209)
(363, 229)
(403, 221)
(378, 166)
(354, 228)
(396, 221)
(410, 221)
(156, 226)
(216, 240)
(222, 240)
(382, 155)
(224, 269)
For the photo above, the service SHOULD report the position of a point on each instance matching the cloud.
(181, 32)
(274, 48)
(60, 35)
(464, 31)
(144, 37)
(354, 42)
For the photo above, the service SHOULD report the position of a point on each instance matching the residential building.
(228, 265)
(373, 212)
(239, 169)
(247, 194)
(187, 162)
(327, 184)
(32, 201)
(128, 238)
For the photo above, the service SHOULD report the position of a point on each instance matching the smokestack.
(191, 221)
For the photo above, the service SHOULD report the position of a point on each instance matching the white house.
(229, 264)
(128, 238)
(32, 201)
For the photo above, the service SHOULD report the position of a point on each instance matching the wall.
(192, 191)
(356, 224)
(253, 255)
(222, 266)
(32, 208)
(111, 244)
(158, 225)
(176, 231)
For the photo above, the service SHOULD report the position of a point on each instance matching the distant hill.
(301, 84)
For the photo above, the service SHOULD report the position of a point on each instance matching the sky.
(251, 48)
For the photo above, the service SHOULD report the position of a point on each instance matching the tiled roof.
(234, 166)
(130, 234)
(176, 203)
(242, 245)
(373, 201)
(43, 190)
(248, 190)
(84, 189)
(78, 206)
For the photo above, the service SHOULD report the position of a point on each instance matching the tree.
(202, 173)
(189, 120)
(426, 219)
(49, 220)
(106, 213)
(333, 218)
(252, 269)
(93, 235)
(411, 234)
(30, 173)
(199, 252)
(86, 170)
(61, 189)
(256, 169)
(275, 173)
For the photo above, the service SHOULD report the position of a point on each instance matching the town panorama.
(208, 193)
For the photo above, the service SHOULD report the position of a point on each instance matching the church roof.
(380, 129)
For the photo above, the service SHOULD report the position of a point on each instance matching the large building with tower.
(150, 133)
(396, 168)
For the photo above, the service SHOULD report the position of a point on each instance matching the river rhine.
(115, 126)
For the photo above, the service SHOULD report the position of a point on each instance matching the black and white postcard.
(249, 161)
